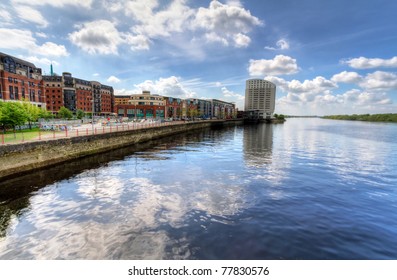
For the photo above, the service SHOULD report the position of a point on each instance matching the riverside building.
(20, 80)
(141, 106)
(222, 109)
(78, 94)
(260, 98)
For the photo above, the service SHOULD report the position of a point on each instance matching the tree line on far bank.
(365, 117)
(14, 114)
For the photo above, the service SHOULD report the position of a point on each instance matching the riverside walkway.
(65, 131)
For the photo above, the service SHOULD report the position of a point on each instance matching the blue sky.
(326, 57)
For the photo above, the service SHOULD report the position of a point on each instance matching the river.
(306, 189)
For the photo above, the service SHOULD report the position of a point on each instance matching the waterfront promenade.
(67, 131)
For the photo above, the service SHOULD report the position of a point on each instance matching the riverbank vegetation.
(279, 116)
(365, 117)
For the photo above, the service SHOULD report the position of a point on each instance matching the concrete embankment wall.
(26, 157)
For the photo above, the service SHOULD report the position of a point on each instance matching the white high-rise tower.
(260, 98)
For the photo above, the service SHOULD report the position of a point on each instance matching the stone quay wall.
(26, 157)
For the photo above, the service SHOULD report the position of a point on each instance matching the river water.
(305, 189)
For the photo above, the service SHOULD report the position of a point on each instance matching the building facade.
(142, 106)
(260, 99)
(202, 108)
(146, 106)
(78, 94)
(173, 107)
(20, 80)
(121, 99)
(222, 109)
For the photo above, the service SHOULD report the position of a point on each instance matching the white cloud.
(226, 22)
(316, 97)
(5, 16)
(126, 92)
(363, 98)
(32, 15)
(318, 85)
(55, 3)
(160, 23)
(113, 79)
(368, 63)
(138, 42)
(351, 102)
(279, 65)
(281, 45)
(23, 39)
(52, 49)
(96, 74)
(212, 37)
(16, 39)
(41, 35)
(231, 96)
(171, 86)
(379, 80)
(40, 61)
(347, 77)
(236, 3)
(228, 93)
(241, 40)
(97, 37)
(178, 24)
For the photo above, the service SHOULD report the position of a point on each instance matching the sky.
(325, 57)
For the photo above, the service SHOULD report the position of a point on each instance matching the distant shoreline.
(365, 117)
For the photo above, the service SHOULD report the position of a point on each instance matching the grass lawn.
(23, 135)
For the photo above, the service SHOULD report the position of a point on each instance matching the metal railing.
(57, 131)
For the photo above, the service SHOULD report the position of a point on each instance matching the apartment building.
(173, 107)
(203, 107)
(222, 109)
(260, 98)
(78, 94)
(20, 80)
(142, 106)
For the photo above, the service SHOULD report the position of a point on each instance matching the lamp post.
(136, 115)
(93, 109)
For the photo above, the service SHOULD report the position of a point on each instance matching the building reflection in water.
(258, 144)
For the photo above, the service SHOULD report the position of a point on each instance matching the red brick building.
(173, 107)
(20, 80)
(77, 94)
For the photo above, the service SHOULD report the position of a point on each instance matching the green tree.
(44, 114)
(192, 113)
(12, 114)
(65, 113)
(32, 112)
(80, 114)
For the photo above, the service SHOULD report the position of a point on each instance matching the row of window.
(15, 81)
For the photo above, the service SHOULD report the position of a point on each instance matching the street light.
(93, 109)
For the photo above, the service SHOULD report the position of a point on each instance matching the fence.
(56, 131)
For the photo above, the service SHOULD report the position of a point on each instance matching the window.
(130, 113)
(11, 89)
(9, 64)
(16, 93)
